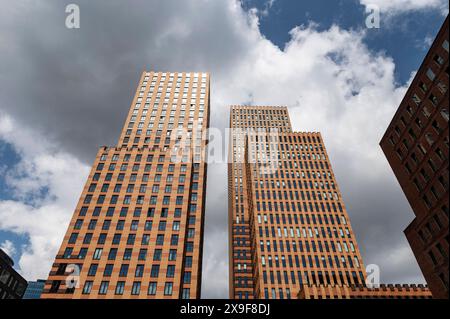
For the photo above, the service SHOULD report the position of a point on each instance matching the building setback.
(416, 144)
(288, 226)
(137, 231)
(12, 284)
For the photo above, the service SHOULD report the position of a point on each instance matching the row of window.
(297, 206)
(302, 219)
(138, 158)
(294, 195)
(114, 254)
(322, 278)
(130, 240)
(139, 200)
(123, 211)
(69, 252)
(139, 271)
(133, 176)
(290, 141)
(135, 288)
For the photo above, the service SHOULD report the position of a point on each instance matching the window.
(123, 271)
(188, 262)
(92, 270)
(168, 289)
(116, 239)
(157, 255)
(174, 240)
(430, 74)
(136, 288)
(444, 114)
(438, 59)
(154, 272)
(108, 270)
(142, 254)
(145, 239)
(120, 287)
(152, 288)
(445, 45)
(160, 239)
(87, 199)
(131, 238)
(433, 99)
(187, 277)
(87, 287)
(68, 252)
(127, 254)
(97, 253)
(185, 293)
(139, 271)
(172, 254)
(103, 288)
(423, 86)
(87, 238)
(170, 271)
(73, 238)
(83, 211)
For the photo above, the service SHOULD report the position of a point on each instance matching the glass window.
(136, 288)
(168, 289)
(120, 287)
(123, 271)
(103, 288)
(154, 273)
(430, 74)
(152, 288)
(87, 287)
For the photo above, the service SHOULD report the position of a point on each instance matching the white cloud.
(58, 178)
(329, 80)
(8, 247)
(267, 7)
(393, 7)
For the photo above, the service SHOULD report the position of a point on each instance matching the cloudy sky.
(64, 92)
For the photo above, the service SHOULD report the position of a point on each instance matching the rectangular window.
(123, 271)
(103, 288)
(136, 288)
(152, 288)
(430, 74)
(168, 289)
(154, 272)
(87, 287)
(120, 287)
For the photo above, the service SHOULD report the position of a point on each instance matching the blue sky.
(8, 158)
(404, 38)
(54, 137)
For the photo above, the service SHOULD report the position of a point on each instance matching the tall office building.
(137, 231)
(287, 221)
(416, 145)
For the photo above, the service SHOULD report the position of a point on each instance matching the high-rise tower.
(137, 231)
(416, 145)
(287, 221)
